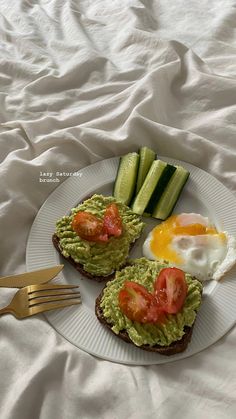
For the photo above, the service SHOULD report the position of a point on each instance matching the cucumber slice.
(146, 157)
(150, 184)
(171, 194)
(126, 178)
(160, 187)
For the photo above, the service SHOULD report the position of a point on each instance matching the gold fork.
(39, 298)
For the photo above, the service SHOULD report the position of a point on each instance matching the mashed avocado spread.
(99, 258)
(144, 271)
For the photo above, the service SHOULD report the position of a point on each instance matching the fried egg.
(190, 242)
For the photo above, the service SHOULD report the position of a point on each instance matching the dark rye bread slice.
(79, 267)
(173, 348)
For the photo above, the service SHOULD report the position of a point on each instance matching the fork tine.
(37, 301)
(47, 293)
(41, 287)
(52, 306)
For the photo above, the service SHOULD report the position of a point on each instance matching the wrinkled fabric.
(82, 81)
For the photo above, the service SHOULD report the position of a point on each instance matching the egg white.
(205, 256)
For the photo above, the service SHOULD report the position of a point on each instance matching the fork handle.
(5, 310)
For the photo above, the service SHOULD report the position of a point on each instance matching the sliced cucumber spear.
(160, 187)
(150, 184)
(126, 178)
(146, 157)
(171, 194)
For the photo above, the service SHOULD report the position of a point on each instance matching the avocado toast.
(166, 338)
(97, 260)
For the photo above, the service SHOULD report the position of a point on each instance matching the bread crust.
(172, 349)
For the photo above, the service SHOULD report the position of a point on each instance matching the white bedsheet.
(81, 81)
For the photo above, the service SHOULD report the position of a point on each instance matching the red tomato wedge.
(171, 289)
(89, 227)
(138, 304)
(112, 221)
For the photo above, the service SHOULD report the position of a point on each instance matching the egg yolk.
(163, 234)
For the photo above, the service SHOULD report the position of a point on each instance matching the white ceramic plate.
(202, 194)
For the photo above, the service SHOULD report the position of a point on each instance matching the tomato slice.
(89, 227)
(138, 304)
(112, 220)
(170, 289)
